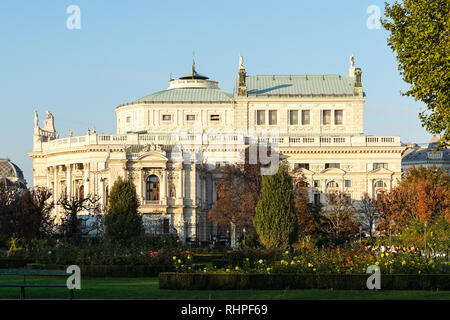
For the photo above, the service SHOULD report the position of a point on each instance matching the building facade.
(172, 144)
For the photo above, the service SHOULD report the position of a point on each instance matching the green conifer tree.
(122, 220)
(275, 219)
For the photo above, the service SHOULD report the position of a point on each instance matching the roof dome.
(10, 174)
(190, 88)
(9, 170)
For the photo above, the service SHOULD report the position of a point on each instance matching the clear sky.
(127, 49)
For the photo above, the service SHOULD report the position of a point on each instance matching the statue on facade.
(70, 133)
(49, 124)
(36, 119)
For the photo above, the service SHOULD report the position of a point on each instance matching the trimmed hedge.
(128, 271)
(11, 263)
(224, 281)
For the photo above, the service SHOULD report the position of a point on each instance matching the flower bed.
(330, 261)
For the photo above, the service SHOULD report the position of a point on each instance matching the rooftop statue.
(241, 62)
(49, 124)
(352, 60)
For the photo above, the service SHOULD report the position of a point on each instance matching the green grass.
(147, 288)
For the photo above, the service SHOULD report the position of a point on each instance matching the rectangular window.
(326, 117)
(128, 120)
(332, 165)
(338, 117)
(214, 117)
(167, 117)
(317, 199)
(380, 165)
(348, 183)
(305, 117)
(301, 165)
(316, 183)
(260, 117)
(272, 117)
(190, 117)
(293, 117)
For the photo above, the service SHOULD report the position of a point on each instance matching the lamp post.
(390, 232)
(425, 238)
(243, 230)
(360, 233)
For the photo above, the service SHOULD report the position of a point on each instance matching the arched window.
(152, 188)
(80, 192)
(332, 184)
(380, 184)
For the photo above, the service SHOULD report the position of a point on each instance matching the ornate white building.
(171, 144)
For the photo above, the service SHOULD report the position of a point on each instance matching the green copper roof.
(299, 85)
(188, 95)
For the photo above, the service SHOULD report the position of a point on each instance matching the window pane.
(305, 117)
(326, 116)
(301, 165)
(380, 165)
(337, 116)
(190, 117)
(348, 183)
(293, 117)
(260, 117)
(215, 117)
(332, 165)
(272, 117)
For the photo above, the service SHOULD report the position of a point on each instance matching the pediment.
(381, 171)
(336, 171)
(153, 156)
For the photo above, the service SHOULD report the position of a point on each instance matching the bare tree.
(341, 222)
(33, 216)
(73, 224)
(9, 199)
(369, 213)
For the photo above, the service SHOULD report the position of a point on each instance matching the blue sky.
(127, 49)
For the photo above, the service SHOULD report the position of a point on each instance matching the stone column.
(86, 179)
(164, 186)
(69, 180)
(55, 188)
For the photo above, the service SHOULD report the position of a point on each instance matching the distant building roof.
(299, 85)
(188, 95)
(428, 156)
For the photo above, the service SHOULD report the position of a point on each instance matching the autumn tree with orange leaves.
(422, 195)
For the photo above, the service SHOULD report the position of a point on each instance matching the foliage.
(419, 34)
(122, 220)
(275, 220)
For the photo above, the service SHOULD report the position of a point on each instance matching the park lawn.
(147, 288)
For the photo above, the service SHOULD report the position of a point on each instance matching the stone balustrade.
(218, 139)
